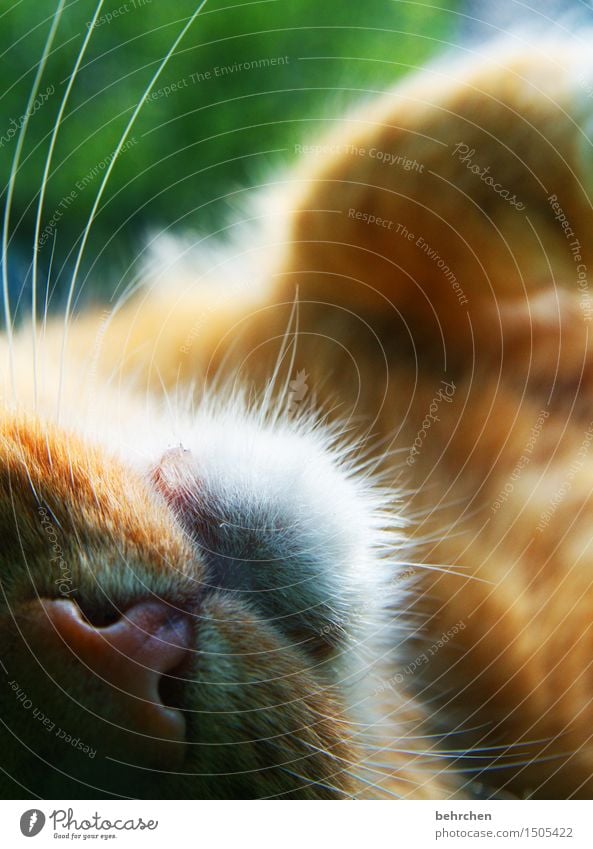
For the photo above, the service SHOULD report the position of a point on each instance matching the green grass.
(191, 148)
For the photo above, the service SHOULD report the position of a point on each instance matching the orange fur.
(379, 330)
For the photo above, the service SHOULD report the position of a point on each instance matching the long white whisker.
(49, 273)
(267, 396)
(25, 35)
(44, 180)
(289, 373)
(10, 8)
(7, 89)
(448, 570)
(103, 186)
(10, 191)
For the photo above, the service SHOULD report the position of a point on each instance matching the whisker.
(44, 181)
(10, 190)
(49, 274)
(354, 766)
(308, 782)
(498, 767)
(10, 8)
(289, 373)
(286, 341)
(447, 570)
(103, 186)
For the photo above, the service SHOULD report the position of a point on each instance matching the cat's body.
(426, 636)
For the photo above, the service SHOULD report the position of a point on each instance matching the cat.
(309, 517)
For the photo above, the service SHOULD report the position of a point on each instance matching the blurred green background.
(209, 127)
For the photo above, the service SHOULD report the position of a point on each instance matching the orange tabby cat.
(322, 528)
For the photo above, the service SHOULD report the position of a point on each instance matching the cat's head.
(188, 625)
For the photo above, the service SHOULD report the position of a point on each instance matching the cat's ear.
(463, 188)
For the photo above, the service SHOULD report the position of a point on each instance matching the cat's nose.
(128, 661)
